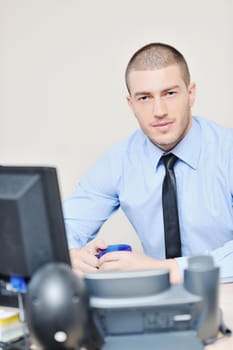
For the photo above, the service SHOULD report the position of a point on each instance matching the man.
(131, 174)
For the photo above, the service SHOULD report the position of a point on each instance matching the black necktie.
(170, 212)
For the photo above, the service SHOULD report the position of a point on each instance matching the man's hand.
(120, 260)
(84, 259)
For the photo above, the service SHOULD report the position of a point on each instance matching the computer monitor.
(32, 230)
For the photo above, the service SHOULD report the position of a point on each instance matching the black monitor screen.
(32, 231)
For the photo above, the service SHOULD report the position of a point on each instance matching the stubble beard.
(167, 146)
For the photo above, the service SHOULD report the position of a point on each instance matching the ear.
(129, 101)
(192, 94)
(131, 105)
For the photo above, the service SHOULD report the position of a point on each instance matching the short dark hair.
(156, 56)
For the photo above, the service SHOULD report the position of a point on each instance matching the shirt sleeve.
(93, 202)
(183, 263)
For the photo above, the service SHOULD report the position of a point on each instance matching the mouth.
(163, 126)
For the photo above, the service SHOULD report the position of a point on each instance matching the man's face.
(162, 103)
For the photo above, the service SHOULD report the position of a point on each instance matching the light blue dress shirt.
(130, 176)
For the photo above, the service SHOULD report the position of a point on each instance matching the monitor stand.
(159, 341)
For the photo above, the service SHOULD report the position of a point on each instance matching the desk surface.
(226, 304)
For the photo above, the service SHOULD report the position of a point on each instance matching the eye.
(144, 98)
(171, 93)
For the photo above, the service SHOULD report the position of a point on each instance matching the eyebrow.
(171, 88)
(140, 93)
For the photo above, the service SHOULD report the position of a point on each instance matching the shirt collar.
(188, 149)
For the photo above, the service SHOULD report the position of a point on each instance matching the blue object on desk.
(114, 248)
(18, 283)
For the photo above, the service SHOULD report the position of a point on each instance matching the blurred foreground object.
(57, 308)
(10, 326)
(124, 310)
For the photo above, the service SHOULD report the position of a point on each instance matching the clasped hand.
(85, 260)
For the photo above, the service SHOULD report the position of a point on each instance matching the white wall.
(62, 62)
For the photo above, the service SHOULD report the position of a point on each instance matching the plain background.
(62, 63)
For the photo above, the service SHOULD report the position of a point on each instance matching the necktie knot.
(169, 160)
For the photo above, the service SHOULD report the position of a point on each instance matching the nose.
(159, 108)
